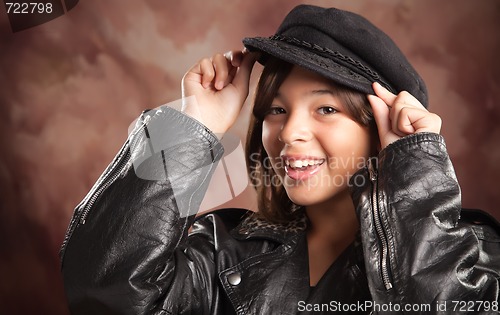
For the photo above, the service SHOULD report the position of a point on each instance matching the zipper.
(385, 264)
(107, 180)
(114, 172)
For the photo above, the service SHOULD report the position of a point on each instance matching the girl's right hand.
(220, 86)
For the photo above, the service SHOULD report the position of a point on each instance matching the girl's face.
(313, 144)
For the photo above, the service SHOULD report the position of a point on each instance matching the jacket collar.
(255, 227)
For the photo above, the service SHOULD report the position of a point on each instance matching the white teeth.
(296, 164)
(302, 163)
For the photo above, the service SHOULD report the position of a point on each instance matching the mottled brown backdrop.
(69, 89)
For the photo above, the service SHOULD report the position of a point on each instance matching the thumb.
(242, 78)
(381, 115)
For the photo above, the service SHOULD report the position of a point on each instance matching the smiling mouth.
(303, 164)
(302, 169)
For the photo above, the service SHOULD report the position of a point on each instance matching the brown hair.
(273, 202)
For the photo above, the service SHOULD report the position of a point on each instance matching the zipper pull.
(372, 168)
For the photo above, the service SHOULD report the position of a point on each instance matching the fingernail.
(219, 85)
(381, 86)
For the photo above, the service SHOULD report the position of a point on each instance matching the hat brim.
(310, 60)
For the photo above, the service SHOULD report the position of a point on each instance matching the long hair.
(273, 202)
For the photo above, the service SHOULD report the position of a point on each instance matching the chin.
(309, 196)
(304, 198)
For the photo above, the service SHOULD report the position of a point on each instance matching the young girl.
(359, 207)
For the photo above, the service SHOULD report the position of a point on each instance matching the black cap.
(342, 46)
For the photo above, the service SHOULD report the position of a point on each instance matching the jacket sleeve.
(417, 252)
(129, 233)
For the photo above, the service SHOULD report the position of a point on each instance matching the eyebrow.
(325, 91)
(331, 92)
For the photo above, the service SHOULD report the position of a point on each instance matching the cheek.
(362, 146)
(270, 134)
(354, 142)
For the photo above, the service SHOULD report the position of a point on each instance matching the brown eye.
(327, 110)
(276, 111)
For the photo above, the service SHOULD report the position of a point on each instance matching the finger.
(381, 115)
(413, 120)
(398, 118)
(221, 66)
(401, 123)
(403, 104)
(207, 72)
(384, 94)
(235, 57)
(242, 77)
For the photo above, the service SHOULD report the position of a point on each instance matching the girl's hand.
(219, 86)
(400, 115)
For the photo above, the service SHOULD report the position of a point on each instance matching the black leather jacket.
(129, 248)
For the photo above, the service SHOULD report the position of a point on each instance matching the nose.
(295, 129)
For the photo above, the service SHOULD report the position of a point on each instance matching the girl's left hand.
(400, 115)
